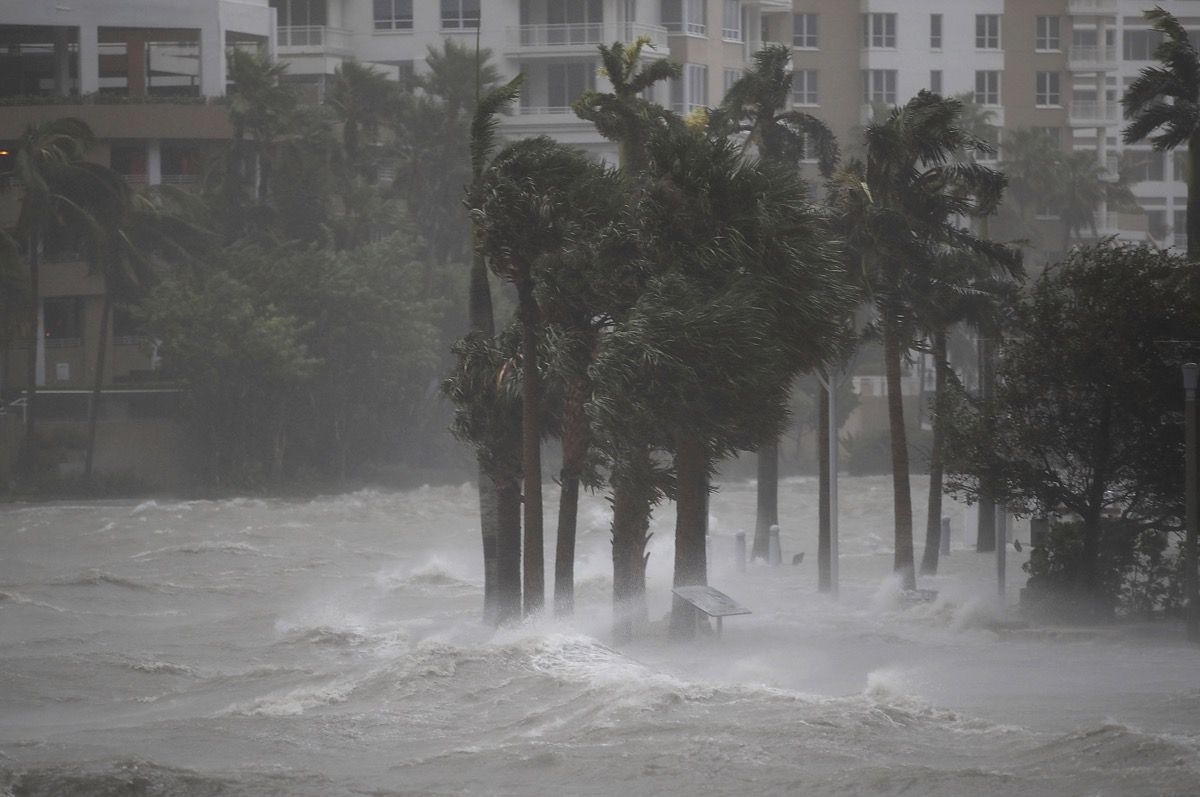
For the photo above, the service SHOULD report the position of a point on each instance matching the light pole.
(1191, 375)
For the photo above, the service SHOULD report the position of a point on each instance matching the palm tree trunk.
(985, 534)
(1193, 200)
(575, 441)
(824, 527)
(768, 498)
(901, 491)
(531, 449)
(27, 458)
(691, 565)
(508, 550)
(631, 500)
(94, 406)
(481, 319)
(933, 523)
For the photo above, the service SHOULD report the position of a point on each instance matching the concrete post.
(944, 544)
(62, 62)
(774, 553)
(212, 61)
(154, 162)
(89, 59)
(739, 551)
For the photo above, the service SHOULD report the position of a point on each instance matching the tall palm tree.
(59, 190)
(497, 491)
(260, 106)
(535, 201)
(1163, 104)
(899, 206)
(756, 107)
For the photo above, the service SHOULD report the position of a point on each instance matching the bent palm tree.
(1163, 104)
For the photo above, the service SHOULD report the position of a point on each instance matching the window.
(1180, 166)
(393, 15)
(1053, 134)
(935, 31)
(691, 90)
(1047, 34)
(460, 14)
(685, 16)
(987, 87)
(990, 134)
(804, 31)
(1048, 93)
(1143, 165)
(1141, 44)
(987, 31)
(62, 318)
(879, 30)
(1180, 230)
(935, 81)
(566, 81)
(731, 27)
(731, 76)
(804, 87)
(879, 86)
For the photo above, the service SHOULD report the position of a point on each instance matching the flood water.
(332, 647)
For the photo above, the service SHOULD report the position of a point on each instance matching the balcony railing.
(1092, 7)
(545, 110)
(1092, 57)
(1091, 113)
(313, 38)
(584, 35)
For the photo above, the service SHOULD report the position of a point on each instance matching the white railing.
(585, 34)
(545, 110)
(180, 179)
(1092, 7)
(1091, 54)
(314, 37)
(1093, 112)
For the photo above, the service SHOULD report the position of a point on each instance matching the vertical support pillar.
(833, 488)
(944, 543)
(212, 61)
(774, 552)
(62, 62)
(89, 59)
(1001, 549)
(154, 162)
(39, 343)
(137, 68)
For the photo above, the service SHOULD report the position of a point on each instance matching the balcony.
(1091, 113)
(1098, 7)
(582, 38)
(1092, 58)
(313, 40)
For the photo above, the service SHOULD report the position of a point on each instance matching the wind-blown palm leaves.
(1163, 104)
(895, 210)
(623, 115)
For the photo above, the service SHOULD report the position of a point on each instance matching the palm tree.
(624, 115)
(535, 201)
(755, 106)
(59, 189)
(260, 105)
(1163, 104)
(501, 545)
(898, 207)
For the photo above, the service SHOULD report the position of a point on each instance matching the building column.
(39, 343)
(154, 162)
(89, 59)
(136, 68)
(62, 62)
(212, 61)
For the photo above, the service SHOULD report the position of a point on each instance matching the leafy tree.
(1086, 418)
(1163, 104)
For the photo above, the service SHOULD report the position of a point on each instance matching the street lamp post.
(1191, 375)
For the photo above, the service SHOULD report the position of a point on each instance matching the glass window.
(935, 81)
(1048, 92)
(804, 87)
(460, 14)
(804, 30)
(1143, 165)
(62, 317)
(987, 87)
(935, 31)
(731, 76)
(987, 31)
(880, 86)
(691, 90)
(1048, 33)
(731, 26)
(879, 30)
(393, 15)
(1141, 44)
(566, 81)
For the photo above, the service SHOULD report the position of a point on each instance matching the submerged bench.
(712, 602)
